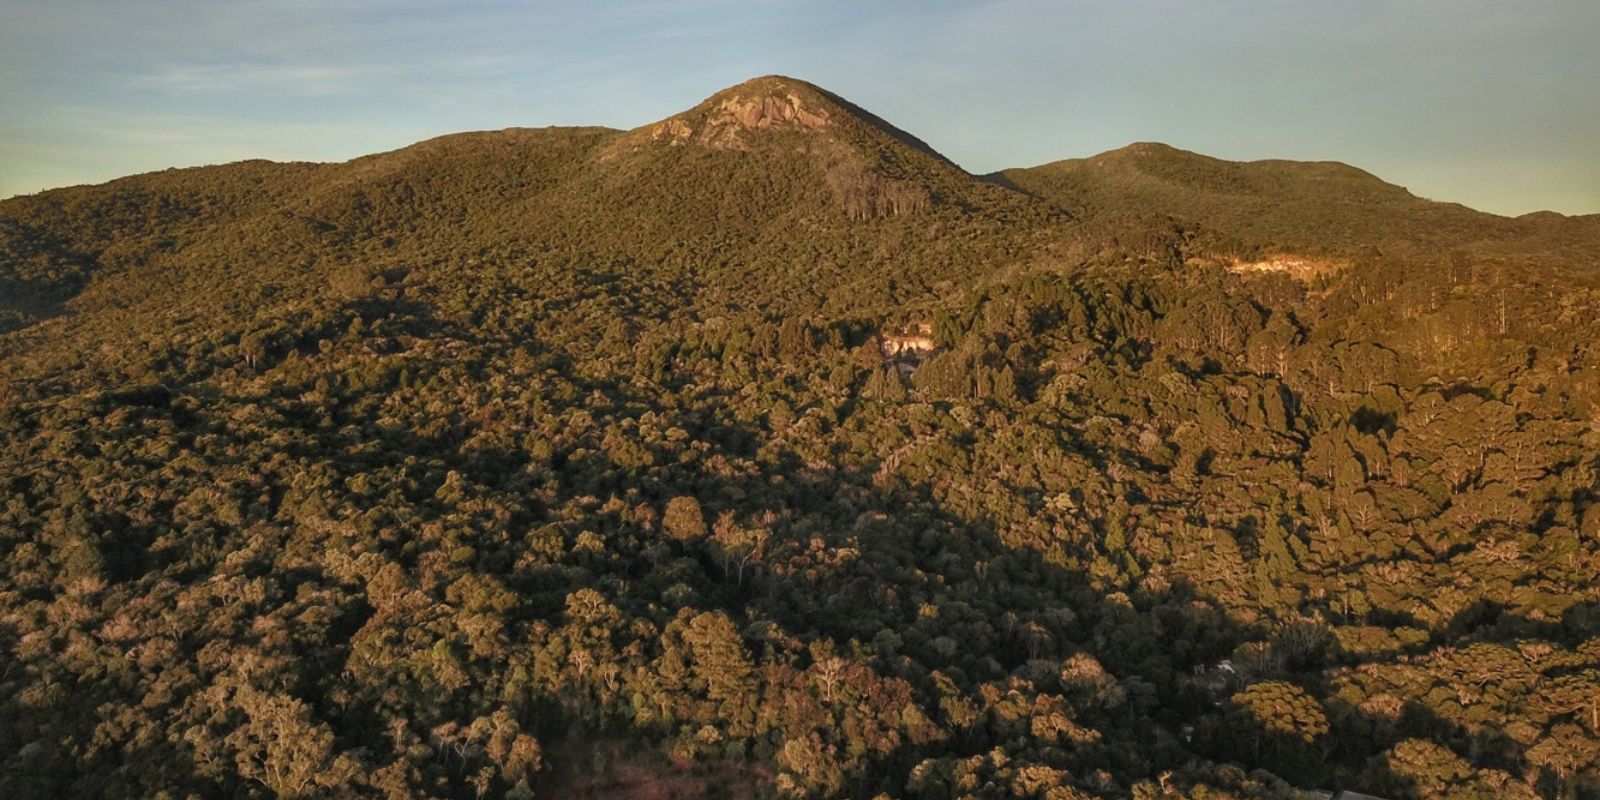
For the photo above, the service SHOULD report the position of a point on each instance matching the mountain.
(1323, 206)
(763, 451)
(773, 170)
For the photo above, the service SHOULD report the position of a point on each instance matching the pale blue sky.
(1495, 104)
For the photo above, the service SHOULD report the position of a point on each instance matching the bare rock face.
(675, 131)
(769, 111)
(764, 104)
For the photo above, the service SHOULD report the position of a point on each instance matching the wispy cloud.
(307, 79)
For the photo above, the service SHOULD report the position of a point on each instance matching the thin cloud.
(326, 79)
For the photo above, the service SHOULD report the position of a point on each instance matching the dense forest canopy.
(574, 463)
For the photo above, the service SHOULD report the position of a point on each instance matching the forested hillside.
(569, 463)
(1318, 207)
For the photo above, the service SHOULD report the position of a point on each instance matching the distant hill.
(1274, 204)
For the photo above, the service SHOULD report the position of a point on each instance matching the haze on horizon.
(1489, 104)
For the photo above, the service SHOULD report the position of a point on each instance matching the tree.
(1284, 724)
(683, 519)
(252, 347)
(282, 748)
(1566, 750)
(737, 546)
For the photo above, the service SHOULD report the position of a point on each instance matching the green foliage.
(502, 461)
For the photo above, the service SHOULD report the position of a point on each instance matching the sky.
(1490, 103)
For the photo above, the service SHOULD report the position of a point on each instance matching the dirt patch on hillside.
(1304, 268)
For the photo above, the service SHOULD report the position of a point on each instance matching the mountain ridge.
(789, 155)
(1269, 204)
